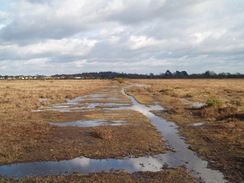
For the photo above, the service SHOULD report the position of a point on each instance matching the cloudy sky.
(132, 36)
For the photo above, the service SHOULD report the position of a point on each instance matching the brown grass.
(219, 112)
(31, 140)
(103, 134)
(198, 90)
(220, 140)
(19, 96)
(27, 136)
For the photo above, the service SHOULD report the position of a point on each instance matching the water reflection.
(90, 123)
(84, 165)
(195, 104)
(181, 155)
(74, 106)
(44, 99)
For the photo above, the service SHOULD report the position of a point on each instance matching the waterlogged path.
(180, 156)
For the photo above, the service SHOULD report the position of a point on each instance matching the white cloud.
(80, 63)
(144, 36)
(51, 48)
(3, 16)
(138, 42)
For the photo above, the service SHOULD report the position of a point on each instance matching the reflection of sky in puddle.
(195, 104)
(197, 124)
(90, 123)
(85, 165)
(79, 103)
(44, 99)
(181, 155)
(68, 107)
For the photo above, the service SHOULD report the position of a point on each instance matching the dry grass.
(19, 96)
(31, 140)
(221, 139)
(198, 90)
(27, 136)
(103, 134)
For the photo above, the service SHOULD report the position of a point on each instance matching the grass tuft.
(120, 80)
(167, 90)
(105, 134)
(213, 101)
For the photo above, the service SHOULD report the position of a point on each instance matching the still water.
(180, 156)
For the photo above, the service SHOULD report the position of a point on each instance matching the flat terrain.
(27, 107)
(27, 136)
(209, 113)
(219, 104)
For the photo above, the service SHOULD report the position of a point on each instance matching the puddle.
(195, 104)
(182, 152)
(77, 106)
(82, 103)
(90, 123)
(197, 124)
(84, 165)
(181, 155)
(44, 99)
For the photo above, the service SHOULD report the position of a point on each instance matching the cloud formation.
(71, 36)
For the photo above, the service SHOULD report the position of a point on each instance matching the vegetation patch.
(220, 139)
(27, 137)
(141, 94)
(20, 96)
(167, 90)
(103, 134)
(120, 80)
(213, 101)
(219, 112)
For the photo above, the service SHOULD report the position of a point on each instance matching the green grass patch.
(120, 80)
(167, 90)
(213, 101)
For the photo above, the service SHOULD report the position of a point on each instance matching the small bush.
(167, 90)
(218, 112)
(213, 101)
(178, 87)
(189, 95)
(176, 110)
(120, 80)
(238, 102)
(103, 134)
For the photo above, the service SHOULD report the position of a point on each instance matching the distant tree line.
(167, 75)
(110, 75)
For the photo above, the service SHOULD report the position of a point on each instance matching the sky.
(133, 36)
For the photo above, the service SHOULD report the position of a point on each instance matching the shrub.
(213, 101)
(238, 102)
(103, 134)
(218, 112)
(167, 90)
(189, 95)
(120, 80)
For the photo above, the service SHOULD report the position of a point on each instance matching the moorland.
(209, 113)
